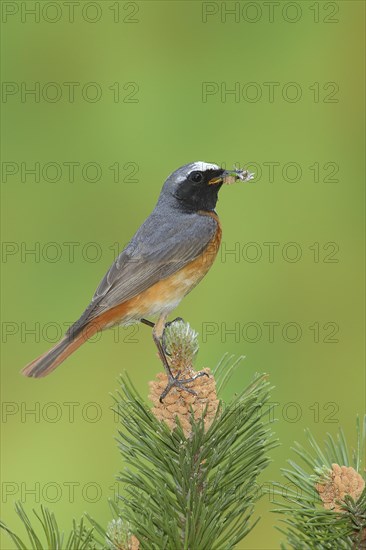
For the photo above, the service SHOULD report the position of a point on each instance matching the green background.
(169, 52)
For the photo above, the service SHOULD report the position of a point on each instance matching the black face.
(197, 193)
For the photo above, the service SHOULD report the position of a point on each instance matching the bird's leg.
(174, 321)
(151, 324)
(158, 332)
(147, 322)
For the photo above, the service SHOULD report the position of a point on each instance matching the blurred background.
(101, 101)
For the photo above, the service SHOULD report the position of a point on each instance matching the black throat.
(193, 197)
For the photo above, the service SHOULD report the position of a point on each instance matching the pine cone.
(338, 482)
(178, 402)
(181, 344)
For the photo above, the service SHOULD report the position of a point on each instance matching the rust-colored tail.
(47, 362)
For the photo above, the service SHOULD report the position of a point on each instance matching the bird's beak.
(231, 176)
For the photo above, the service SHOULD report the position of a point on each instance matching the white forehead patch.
(202, 166)
(182, 173)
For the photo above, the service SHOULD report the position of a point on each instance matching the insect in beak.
(231, 176)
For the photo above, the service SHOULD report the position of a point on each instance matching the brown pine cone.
(337, 483)
(178, 402)
(134, 543)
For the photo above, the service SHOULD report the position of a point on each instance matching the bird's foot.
(163, 337)
(174, 381)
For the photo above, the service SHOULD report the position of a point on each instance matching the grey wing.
(159, 248)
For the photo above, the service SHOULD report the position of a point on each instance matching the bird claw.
(174, 321)
(173, 381)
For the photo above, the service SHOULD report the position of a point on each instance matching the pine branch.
(190, 465)
(189, 482)
(46, 535)
(325, 507)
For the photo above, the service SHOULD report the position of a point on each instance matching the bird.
(166, 258)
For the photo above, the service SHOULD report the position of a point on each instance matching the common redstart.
(167, 257)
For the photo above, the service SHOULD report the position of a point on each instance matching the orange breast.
(167, 293)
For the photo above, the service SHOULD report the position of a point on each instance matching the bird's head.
(195, 186)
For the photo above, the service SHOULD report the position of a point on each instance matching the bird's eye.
(197, 177)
